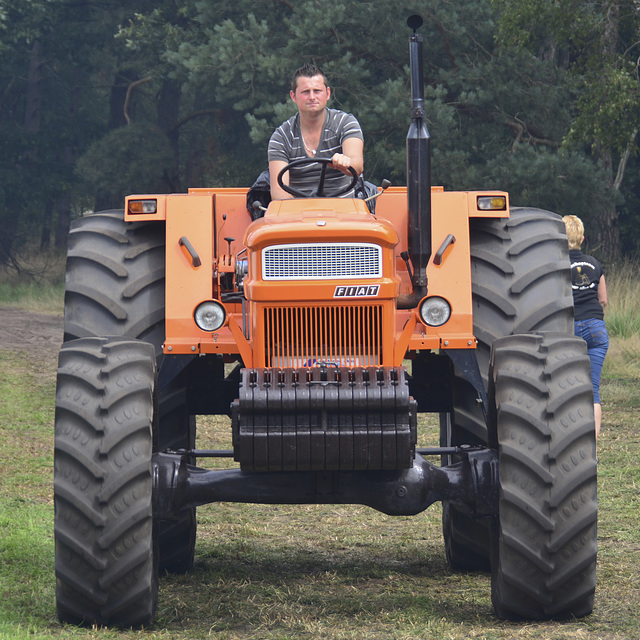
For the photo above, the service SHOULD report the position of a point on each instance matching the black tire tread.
(115, 279)
(545, 545)
(115, 287)
(106, 570)
(521, 279)
(521, 282)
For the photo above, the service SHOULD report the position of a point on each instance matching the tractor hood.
(317, 221)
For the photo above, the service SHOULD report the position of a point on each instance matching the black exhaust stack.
(418, 172)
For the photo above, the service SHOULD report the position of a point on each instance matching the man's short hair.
(575, 231)
(308, 71)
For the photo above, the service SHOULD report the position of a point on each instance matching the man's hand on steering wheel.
(341, 162)
(319, 192)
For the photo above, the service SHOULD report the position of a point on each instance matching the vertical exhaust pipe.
(418, 173)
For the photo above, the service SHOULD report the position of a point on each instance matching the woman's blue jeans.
(594, 333)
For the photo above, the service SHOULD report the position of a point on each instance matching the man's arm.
(277, 192)
(351, 156)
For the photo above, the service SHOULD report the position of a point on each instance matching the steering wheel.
(319, 192)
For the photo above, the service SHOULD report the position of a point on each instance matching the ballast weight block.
(324, 418)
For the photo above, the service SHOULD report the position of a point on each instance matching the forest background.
(102, 98)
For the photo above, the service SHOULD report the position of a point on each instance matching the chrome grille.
(321, 261)
(331, 336)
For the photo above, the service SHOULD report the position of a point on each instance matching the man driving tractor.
(315, 132)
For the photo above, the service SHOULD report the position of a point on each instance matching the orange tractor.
(322, 330)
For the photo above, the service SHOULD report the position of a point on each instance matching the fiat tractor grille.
(330, 336)
(321, 261)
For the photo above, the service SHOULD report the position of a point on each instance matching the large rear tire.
(521, 281)
(115, 286)
(106, 563)
(545, 543)
(115, 279)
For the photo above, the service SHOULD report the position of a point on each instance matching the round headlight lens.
(210, 315)
(435, 311)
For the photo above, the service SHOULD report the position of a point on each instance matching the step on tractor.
(322, 331)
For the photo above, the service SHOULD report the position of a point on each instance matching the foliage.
(50, 83)
(561, 181)
(208, 82)
(597, 42)
(611, 122)
(141, 147)
(481, 104)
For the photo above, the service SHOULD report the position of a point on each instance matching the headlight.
(435, 311)
(209, 315)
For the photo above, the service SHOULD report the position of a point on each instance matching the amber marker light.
(137, 207)
(492, 203)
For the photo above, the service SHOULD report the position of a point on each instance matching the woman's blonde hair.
(575, 231)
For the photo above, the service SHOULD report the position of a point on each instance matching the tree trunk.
(608, 227)
(121, 82)
(33, 97)
(15, 200)
(64, 220)
(63, 205)
(168, 114)
(609, 235)
(45, 232)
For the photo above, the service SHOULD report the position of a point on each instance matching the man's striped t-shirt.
(286, 144)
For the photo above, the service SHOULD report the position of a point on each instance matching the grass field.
(34, 281)
(326, 572)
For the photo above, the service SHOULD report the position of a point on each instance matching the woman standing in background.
(589, 301)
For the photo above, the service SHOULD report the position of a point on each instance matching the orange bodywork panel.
(331, 318)
(187, 285)
(451, 279)
(322, 318)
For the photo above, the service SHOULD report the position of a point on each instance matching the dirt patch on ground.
(38, 333)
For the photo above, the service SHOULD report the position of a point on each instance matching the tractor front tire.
(106, 561)
(544, 543)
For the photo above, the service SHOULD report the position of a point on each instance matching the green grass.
(42, 298)
(307, 572)
(34, 281)
(27, 584)
(622, 315)
(303, 572)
